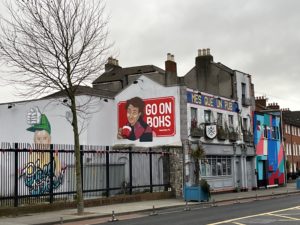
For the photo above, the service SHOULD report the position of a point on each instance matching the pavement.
(69, 216)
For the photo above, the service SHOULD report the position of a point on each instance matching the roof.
(291, 117)
(84, 90)
(118, 73)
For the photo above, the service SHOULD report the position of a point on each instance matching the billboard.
(143, 119)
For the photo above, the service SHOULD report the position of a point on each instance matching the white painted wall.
(245, 111)
(214, 111)
(98, 127)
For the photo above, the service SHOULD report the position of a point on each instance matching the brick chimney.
(273, 106)
(111, 64)
(260, 103)
(204, 57)
(171, 70)
(170, 64)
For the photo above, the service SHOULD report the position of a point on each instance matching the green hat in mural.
(42, 125)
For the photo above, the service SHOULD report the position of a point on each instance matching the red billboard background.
(159, 114)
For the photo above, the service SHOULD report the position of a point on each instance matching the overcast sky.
(258, 37)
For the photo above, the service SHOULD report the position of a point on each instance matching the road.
(281, 211)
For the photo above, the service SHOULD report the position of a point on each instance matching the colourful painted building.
(269, 149)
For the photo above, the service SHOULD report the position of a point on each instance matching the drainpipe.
(234, 166)
(292, 148)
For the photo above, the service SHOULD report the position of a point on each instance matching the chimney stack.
(111, 64)
(260, 103)
(170, 64)
(273, 106)
(204, 58)
(171, 70)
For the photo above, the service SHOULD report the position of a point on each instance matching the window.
(194, 120)
(265, 131)
(243, 93)
(220, 119)
(230, 121)
(216, 166)
(277, 133)
(245, 124)
(273, 132)
(207, 116)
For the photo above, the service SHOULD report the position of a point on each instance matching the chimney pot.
(173, 58)
(204, 51)
(208, 51)
(199, 52)
(169, 57)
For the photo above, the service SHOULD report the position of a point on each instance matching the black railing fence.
(31, 174)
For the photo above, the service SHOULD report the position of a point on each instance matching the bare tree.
(55, 45)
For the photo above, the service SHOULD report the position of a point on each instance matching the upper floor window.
(274, 133)
(207, 116)
(220, 119)
(245, 124)
(243, 90)
(265, 131)
(194, 118)
(230, 121)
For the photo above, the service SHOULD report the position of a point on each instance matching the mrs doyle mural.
(36, 172)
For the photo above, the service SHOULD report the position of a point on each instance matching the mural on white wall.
(143, 119)
(36, 172)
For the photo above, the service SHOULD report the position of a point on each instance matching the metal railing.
(31, 174)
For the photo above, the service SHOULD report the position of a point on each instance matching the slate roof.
(118, 73)
(84, 90)
(291, 117)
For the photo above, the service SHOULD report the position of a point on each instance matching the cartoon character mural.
(269, 149)
(37, 170)
(143, 119)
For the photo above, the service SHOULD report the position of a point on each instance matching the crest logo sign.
(211, 131)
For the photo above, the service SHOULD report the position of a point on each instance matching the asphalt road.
(281, 211)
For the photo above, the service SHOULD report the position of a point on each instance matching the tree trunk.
(79, 196)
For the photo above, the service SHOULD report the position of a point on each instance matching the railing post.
(51, 173)
(16, 175)
(150, 169)
(130, 170)
(107, 170)
(81, 164)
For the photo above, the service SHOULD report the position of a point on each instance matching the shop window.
(216, 166)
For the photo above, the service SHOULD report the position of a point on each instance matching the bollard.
(113, 217)
(214, 203)
(153, 213)
(237, 200)
(273, 194)
(187, 208)
(61, 220)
